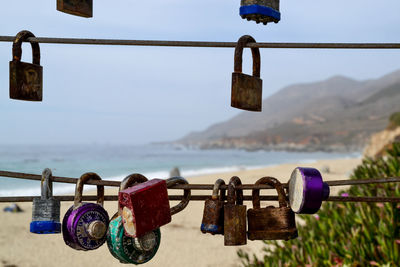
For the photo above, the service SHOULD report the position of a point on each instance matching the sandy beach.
(182, 243)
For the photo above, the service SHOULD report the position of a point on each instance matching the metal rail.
(87, 41)
(37, 177)
(204, 197)
(58, 179)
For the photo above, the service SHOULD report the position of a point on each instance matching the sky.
(137, 95)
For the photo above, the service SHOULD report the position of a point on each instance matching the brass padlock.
(271, 223)
(235, 215)
(82, 8)
(246, 89)
(213, 215)
(26, 79)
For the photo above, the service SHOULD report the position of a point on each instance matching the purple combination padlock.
(85, 224)
(307, 190)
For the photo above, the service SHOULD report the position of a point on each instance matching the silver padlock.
(46, 209)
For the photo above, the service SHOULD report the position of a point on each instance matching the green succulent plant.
(346, 234)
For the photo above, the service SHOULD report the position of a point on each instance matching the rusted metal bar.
(37, 177)
(115, 198)
(204, 197)
(28, 176)
(363, 199)
(87, 41)
(364, 181)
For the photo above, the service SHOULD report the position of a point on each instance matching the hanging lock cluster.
(306, 192)
(129, 249)
(133, 234)
(26, 79)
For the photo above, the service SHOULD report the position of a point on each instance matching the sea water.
(114, 162)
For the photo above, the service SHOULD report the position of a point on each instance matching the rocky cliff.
(337, 114)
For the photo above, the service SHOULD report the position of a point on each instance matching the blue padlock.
(260, 10)
(46, 209)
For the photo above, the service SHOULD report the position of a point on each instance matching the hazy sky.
(134, 95)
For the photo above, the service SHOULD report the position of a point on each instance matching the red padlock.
(144, 207)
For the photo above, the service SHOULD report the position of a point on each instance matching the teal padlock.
(128, 249)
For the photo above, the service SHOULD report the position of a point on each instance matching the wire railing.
(57, 179)
(294, 45)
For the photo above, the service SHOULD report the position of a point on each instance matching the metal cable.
(86, 41)
(29, 176)
(204, 197)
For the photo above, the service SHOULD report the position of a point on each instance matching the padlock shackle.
(186, 193)
(216, 189)
(235, 195)
(130, 180)
(272, 182)
(46, 186)
(23, 36)
(255, 51)
(79, 188)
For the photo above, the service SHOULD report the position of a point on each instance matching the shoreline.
(33, 188)
(182, 243)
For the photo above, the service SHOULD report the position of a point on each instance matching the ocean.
(114, 162)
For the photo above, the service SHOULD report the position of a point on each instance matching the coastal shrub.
(346, 233)
(394, 120)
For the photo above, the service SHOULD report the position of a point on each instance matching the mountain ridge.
(336, 114)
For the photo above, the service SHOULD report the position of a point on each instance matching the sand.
(182, 243)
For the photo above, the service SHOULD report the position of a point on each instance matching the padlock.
(307, 190)
(263, 11)
(46, 209)
(85, 224)
(144, 207)
(186, 194)
(235, 215)
(246, 89)
(271, 223)
(26, 79)
(213, 214)
(82, 8)
(129, 249)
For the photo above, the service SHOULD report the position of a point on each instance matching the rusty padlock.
(271, 223)
(263, 11)
(82, 8)
(246, 89)
(213, 214)
(26, 79)
(235, 215)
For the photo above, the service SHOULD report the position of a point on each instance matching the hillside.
(338, 114)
